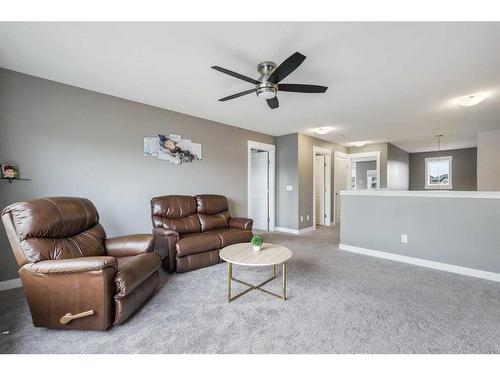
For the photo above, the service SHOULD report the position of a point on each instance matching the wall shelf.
(15, 179)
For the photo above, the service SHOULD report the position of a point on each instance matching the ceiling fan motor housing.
(269, 82)
(266, 90)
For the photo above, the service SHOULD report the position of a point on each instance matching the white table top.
(243, 254)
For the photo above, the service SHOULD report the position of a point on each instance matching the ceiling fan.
(268, 84)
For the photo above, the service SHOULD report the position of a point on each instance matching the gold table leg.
(284, 282)
(229, 278)
(255, 287)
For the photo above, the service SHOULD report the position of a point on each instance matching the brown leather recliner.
(190, 231)
(69, 267)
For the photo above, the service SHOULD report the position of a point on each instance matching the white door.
(319, 189)
(342, 182)
(259, 190)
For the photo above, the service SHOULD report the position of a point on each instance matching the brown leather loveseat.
(69, 267)
(190, 231)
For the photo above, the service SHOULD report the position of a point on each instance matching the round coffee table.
(244, 255)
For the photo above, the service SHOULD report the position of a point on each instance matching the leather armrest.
(73, 265)
(241, 223)
(165, 241)
(165, 232)
(129, 245)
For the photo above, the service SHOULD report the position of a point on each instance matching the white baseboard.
(423, 263)
(293, 231)
(10, 284)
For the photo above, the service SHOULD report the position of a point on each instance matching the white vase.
(256, 248)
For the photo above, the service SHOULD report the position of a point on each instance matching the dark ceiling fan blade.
(273, 103)
(297, 87)
(237, 95)
(286, 67)
(236, 75)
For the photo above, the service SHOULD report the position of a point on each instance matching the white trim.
(426, 194)
(272, 168)
(328, 184)
(365, 155)
(423, 262)
(10, 284)
(448, 186)
(294, 231)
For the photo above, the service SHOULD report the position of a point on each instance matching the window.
(438, 172)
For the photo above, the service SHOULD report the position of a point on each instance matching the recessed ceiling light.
(322, 131)
(472, 99)
(359, 144)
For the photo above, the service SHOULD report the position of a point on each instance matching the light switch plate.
(289, 187)
(404, 238)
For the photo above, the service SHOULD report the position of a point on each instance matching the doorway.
(365, 170)
(358, 171)
(261, 165)
(342, 181)
(321, 186)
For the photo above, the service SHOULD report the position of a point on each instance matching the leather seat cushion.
(200, 243)
(231, 236)
(133, 270)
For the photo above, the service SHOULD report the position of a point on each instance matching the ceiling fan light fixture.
(266, 92)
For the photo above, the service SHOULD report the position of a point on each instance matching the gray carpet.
(338, 303)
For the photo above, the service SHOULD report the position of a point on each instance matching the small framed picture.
(9, 171)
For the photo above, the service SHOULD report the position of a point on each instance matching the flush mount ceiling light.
(359, 144)
(323, 130)
(472, 99)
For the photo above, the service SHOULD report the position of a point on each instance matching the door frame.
(364, 155)
(335, 179)
(271, 173)
(328, 184)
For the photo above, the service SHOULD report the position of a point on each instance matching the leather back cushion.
(58, 228)
(211, 204)
(216, 221)
(175, 212)
(212, 211)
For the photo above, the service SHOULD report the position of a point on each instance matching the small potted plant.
(257, 242)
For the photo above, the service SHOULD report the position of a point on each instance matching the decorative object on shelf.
(173, 148)
(9, 171)
(257, 242)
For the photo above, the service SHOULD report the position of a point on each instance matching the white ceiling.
(387, 81)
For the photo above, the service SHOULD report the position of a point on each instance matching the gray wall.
(398, 168)
(361, 168)
(75, 142)
(287, 173)
(488, 160)
(458, 231)
(464, 168)
(383, 148)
